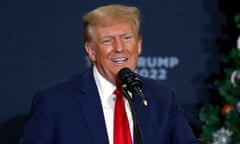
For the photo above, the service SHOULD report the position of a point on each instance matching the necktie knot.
(118, 93)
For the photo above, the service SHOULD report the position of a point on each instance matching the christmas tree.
(221, 121)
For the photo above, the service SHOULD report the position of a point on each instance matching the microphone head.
(124, 73)
(128, 77)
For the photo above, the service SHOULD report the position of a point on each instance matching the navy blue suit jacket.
(71, 113)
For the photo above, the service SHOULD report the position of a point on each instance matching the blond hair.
(108, 15)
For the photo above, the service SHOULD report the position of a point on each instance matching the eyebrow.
(123, 34)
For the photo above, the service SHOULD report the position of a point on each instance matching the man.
(81, 110)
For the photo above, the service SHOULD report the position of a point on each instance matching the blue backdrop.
(41, 43)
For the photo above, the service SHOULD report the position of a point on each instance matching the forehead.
(113, 29)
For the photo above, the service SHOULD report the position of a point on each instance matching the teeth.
(119, 59)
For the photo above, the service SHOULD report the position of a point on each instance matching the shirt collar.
(105, 88)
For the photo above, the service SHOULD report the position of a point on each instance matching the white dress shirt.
(107, 96)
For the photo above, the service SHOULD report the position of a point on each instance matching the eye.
(127, 38)
(107, 41)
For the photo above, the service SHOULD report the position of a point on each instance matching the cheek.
(104, 52)
(100, 55)
(136, 51)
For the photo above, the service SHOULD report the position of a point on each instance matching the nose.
(119, 47)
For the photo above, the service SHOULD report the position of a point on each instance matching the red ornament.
(227, 108)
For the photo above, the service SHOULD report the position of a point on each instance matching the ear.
(139, 45)
(90, 51)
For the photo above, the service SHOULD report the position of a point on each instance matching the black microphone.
(133, 83)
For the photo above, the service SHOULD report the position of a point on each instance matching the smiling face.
(113, 47)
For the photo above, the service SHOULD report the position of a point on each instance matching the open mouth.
(119, 60)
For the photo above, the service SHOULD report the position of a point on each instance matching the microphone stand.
(134, 115)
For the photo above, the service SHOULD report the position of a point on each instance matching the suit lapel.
(90, 104)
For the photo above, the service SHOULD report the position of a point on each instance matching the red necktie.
(122, 133)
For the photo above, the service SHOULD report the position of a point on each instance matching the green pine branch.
(237, 20)
(212, 116)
